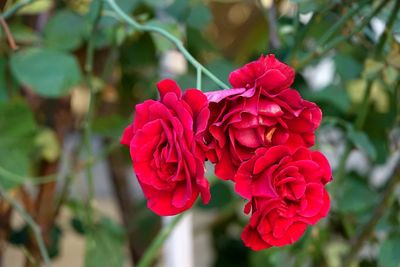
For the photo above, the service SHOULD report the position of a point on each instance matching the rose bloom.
(262, 112)
(165, 141)
(286, 193)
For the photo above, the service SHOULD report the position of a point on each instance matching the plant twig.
(155, 246)
(9, 36)
(362, 115)
(368, 229)
(332, 30)
(87, 127)
(28, 219)
(178, 44)
(319, 51)
(9, 12)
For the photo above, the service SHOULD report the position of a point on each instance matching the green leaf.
(24, 34)
(49, 73)
(17, 128)
(347, 67)
(221, 196)
(105, 245)
(64, 31)
(3, 88)
(355, 196)
(110, 126)
(389, 255)
(333, 95)
(362, 142)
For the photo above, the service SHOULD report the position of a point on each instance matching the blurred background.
(71, 72)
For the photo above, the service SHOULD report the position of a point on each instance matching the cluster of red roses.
(258, 135)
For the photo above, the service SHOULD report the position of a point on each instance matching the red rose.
(165, 142)
(287, 193)
(243, 120)
(266, 72)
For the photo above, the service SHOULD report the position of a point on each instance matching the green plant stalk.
(380, 210)
(319, 52)
(362, 115)
(87, 130)
(28, 219)
(388, 29)
(9, 12)
(198, 80)
(13, 177)
(178, 44)
(299, 38)
(336, 27)
(156, 244)
(369, 227)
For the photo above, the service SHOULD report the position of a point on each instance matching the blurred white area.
(321, 74)
(378, 26)
(173, 64)
(178, 249)
(305, 17)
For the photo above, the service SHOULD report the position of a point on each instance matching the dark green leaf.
(64, 31)
(17, 128)
(105, 245)
(110, 126)
(347, 67)
(333, 95)
(362, 142)
(3, 85)
(49, 73)
(389, 255)
(221, 196)
(355, 196)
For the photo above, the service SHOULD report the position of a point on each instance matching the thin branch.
(28, 219)
(155, 246)
(168, 36)
(319, 51)
(9, 36)
(336, 27)
(87, 130)
(362, 115)
(368, 229)
(9, 12)
(198, 80)
(13, 177)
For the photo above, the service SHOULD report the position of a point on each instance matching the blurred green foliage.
(44, 96)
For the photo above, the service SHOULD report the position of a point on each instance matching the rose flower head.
(286, 193)
(261, 112)
(165, 141)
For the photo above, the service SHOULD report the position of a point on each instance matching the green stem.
(369, 227)
(28, 219)
(362, 115)
(335, 28)
(9, 12)
(178, 44)
(198, 80)
(388, 30)
(155, 246)
(299, 38)
(87, 131)
(16, 178)
(319, 51)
